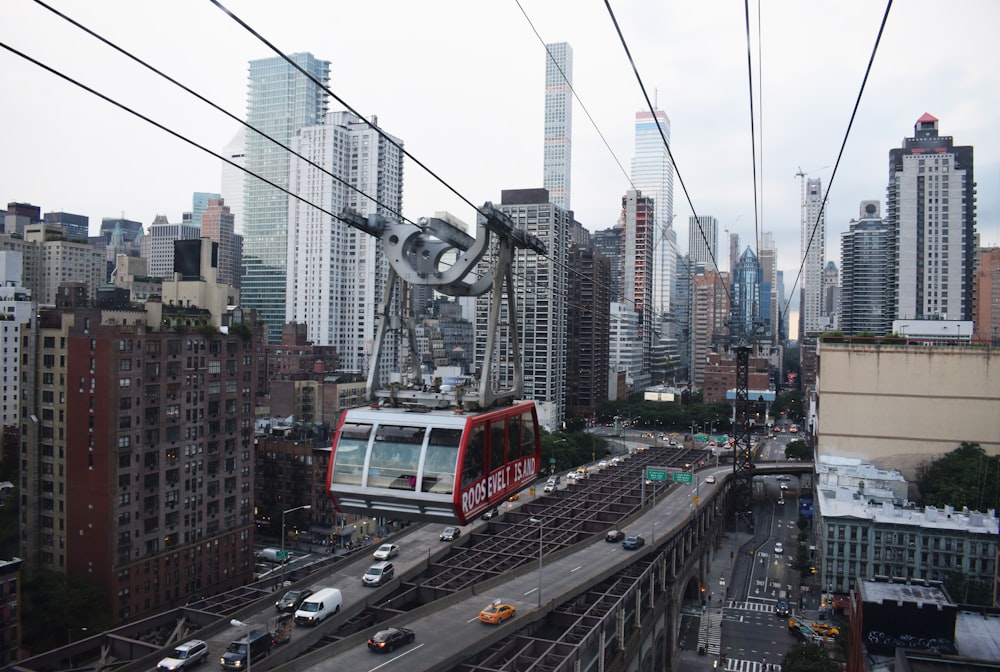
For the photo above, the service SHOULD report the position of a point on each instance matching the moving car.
(451, 533)
(633, 542)
(290, 601)
(778, 548)
(710, 479)
(513, 498)
(603, 464)
(497, 612)
(386, 552)
(188, 654)
(550, 486)
(491, 514)
(324, 602)
(390, 638)
(614, 536)
(784, 477)
(378, 574)
(254, 645)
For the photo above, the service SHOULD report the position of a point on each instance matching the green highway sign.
(282, 555)
(656, 474)
(683, 477)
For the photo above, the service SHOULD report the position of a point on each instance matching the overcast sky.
(461, 82)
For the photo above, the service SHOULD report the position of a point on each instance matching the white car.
(188, 654)
(386, 551)
(710, 479)
(603, 464)
(571, 476)
(778, 548)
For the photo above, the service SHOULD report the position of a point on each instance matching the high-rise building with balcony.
(866, 261)
(280, 101)
(931, 208)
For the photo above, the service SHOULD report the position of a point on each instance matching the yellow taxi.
(513, 498)
(497, 612)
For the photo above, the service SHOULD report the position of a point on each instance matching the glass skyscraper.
(280, 101)
(558, 122)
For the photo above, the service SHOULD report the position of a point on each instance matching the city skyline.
(147, 172)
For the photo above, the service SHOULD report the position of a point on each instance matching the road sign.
(683, 477)
(656, 473)
(282, 556)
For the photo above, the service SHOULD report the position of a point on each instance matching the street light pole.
(538, 521)
(240, 624)
(284, 558)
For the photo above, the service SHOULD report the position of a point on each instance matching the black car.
(451, 533)
(389, 639)
(292, 600)
(614, 536)
(633, 542)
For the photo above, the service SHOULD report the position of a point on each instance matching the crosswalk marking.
(750, 606)
(737, 665)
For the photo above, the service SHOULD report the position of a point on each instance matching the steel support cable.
(216, 107)
(840, 154)
(649, 105)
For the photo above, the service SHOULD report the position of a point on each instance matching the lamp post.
(538, 521)
(236, 623)
(284, 558)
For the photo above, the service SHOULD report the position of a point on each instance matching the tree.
(798, 450)
(807, 657)
(966, 476)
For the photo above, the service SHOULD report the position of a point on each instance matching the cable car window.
(440, 460)
(497, 459)
(528, 435)
(349, 460)
(514, 450)
(395, 456)
(472, 465)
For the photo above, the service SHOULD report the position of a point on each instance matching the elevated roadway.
(594, 595)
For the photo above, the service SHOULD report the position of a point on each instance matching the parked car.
(497, 612)
(633, 542)
(190, 653)
(390, 638)
(290, 601)
(386, 552)
(614, 536)
(451, 533)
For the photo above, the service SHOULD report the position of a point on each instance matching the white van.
(324, 602)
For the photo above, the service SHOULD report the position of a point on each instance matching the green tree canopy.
(798, 450)
(966, 476)
(807, 657)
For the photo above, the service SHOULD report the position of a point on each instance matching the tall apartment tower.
(770, 300)
(866, 265)
(138, 462)
(611, 243)
(587, 331)
(558, 153)
(812, 237)
(931, 208)
(280, 101)
(541, 285)
(709, 317)
(217, 224)
(324, 255)
(16, 318)
(986, 290)
(831, 295)
(701, 229)
(653, 175)
(639, 217)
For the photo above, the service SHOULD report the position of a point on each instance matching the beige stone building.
(900, 405)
